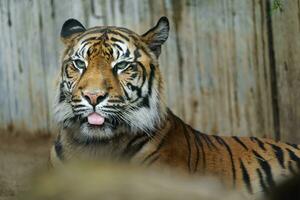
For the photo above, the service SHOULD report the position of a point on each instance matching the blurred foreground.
(20, 157)
(116, 181)
(23, 158)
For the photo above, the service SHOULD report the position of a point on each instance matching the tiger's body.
(110, 106)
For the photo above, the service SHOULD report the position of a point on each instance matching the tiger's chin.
(99, 132)
(83, 131)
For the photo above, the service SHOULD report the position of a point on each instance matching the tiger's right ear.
(70, 29)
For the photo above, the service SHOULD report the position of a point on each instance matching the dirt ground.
(20, 157)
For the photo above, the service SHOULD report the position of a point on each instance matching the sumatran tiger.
(110, 105)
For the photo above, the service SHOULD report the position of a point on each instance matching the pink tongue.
(95, 119)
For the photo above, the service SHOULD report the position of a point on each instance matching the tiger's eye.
(121, 65)
(79, 64)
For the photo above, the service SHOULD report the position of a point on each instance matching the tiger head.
(110, 81)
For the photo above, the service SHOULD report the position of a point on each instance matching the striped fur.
(139, 128)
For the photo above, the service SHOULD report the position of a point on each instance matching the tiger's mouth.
(97, 121)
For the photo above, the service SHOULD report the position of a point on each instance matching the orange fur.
(163, 140)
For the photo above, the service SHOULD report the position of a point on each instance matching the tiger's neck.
(124, 146)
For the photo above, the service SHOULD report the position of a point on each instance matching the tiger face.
(110, 81)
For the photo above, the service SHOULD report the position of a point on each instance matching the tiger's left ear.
(157, 35)
(70, 29)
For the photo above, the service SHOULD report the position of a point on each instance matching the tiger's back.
(246, 163)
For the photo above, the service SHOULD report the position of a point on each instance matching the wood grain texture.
(228, 69)
(286, 42)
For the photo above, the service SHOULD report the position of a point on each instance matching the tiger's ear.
(70, 29)
(157, 35)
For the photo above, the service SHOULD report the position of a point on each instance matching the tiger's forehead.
(122, 33)
(114, 42)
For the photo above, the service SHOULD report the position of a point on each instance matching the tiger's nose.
(94, 97)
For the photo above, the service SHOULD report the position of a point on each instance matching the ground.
(20, 156)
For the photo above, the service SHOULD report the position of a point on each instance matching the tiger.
(110, 105)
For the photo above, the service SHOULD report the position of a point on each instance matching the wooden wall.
(230, 67)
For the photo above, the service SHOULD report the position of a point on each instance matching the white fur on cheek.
(62, 112)
(146, 119)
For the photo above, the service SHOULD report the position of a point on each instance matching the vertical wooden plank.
(96, 16)
(18, 72)
(286, 47)
(223, 81)
(32, 60)
(25, 86)
(49, 54)
(5, 47)
(260, 59)
(8, 47)
(170, 57)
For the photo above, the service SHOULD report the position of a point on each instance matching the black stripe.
(71, 120)
(261, 180)
(290, 166)
(125, 92)
(246, 177)
(118, 47)
(197, 154)
(154, 158)
(79, 106)
(134, 140)
(151, 78)
(125, 30)
(221, 141)
(294, 157)
(155, 151)
(135, 88)
(127, 53)
(66, 71)
(58, 149)
(119, 34)
(89, 39)
(62, 96)
(115, 106)
(134, 146)
(185, 133)
(116, 40)
(208, 141)
(199, 142)
(293, 145)
(144, 72)
(259, 142)
(266, 167)
(279, 154)
(115, 100)
(76, 100)
(82, 48)
(144, 103)
(133, 76)
(79, 110)
(240, 142)
(92, 31)
(136, 54)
